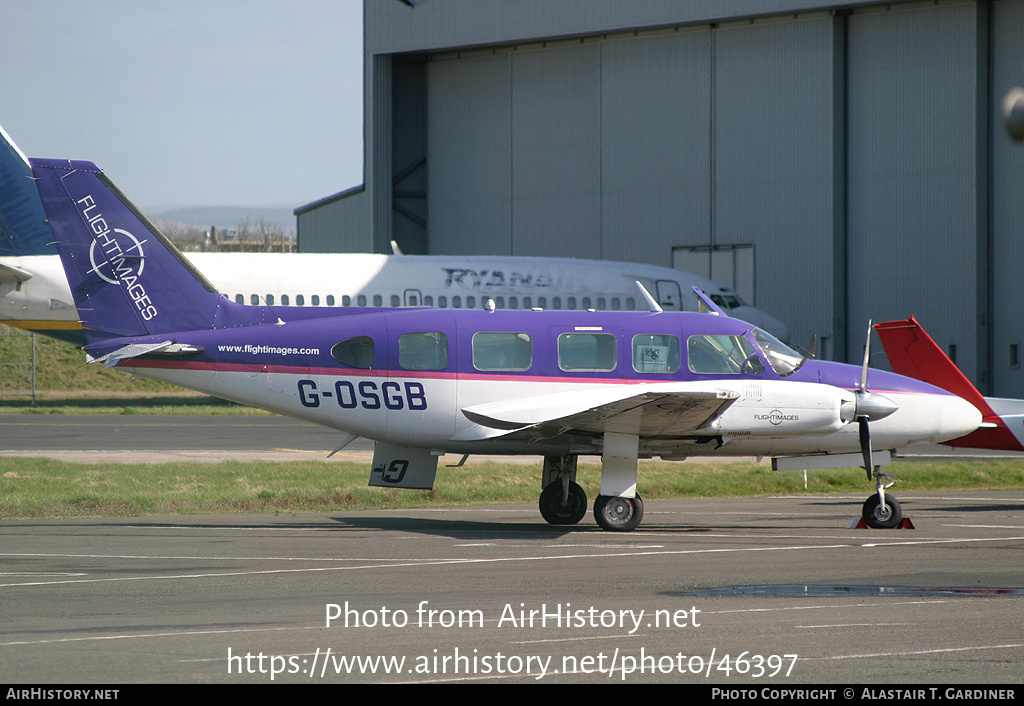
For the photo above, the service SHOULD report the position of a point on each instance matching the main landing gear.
(882, 511)
(617, 514)
(563, 502)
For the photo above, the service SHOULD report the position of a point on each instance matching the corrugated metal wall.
(1007, 221)
(773, 167)
(469, 199)
(859, 154)
(338, 224)
(624, 147)
(912, 172)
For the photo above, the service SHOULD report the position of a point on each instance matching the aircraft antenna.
(651, 301)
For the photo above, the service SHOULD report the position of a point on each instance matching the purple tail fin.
(126, 277)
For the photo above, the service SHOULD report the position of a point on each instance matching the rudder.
(126, 277)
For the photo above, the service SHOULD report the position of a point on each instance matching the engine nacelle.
(776, 409)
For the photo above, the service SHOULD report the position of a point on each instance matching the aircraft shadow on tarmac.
(449, 527)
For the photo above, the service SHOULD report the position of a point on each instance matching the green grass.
(39, 488)
(65, 384)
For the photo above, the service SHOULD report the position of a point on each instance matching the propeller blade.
(865, 444)
(867, 357)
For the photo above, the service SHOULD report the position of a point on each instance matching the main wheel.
(554, 512)
(885, 515)
(617, 514)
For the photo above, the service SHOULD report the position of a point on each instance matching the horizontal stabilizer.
(132, 350)
(13, 274)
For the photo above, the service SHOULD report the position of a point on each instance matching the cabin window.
(630, 304)
(722, 355)
(513, 302)
(254, 299)
(315, 300)
(330, 300)
(354, 352)
(442, 302)
(616, 304)
(299, 300)
(240, 299)
(428, 300)
(591, 352)
(502, 351)
(346, 300)
(542, 302)
(270, 300)
(378, 300)
(586, 303)
(527, 303)
(570, 303)
(284, 300)
(556, 303)
(361, 300)
(470, 302)
(423, 351)
(499, 302)
(456, 302)
(601, 303)
(396, 300)
(655, 353)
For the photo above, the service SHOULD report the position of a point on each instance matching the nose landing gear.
(882, 511)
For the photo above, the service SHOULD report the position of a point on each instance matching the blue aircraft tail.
(127, 279)
(23, 229)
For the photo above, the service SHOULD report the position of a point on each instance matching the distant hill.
(226, 217)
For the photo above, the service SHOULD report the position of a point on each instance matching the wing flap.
(656, 410)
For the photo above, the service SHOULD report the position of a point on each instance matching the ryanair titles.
(121, 259)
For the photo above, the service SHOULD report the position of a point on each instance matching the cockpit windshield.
(727, 301)
(783, 359)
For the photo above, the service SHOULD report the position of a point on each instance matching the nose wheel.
(882, 511)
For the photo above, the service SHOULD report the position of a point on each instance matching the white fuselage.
(424, 411)
(359, 279)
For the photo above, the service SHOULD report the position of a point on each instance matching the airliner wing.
(651, 411)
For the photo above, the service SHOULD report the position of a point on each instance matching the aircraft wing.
(663, 411)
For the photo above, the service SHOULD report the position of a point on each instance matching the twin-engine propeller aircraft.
(422, 382)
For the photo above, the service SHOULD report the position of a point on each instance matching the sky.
(191, 102)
